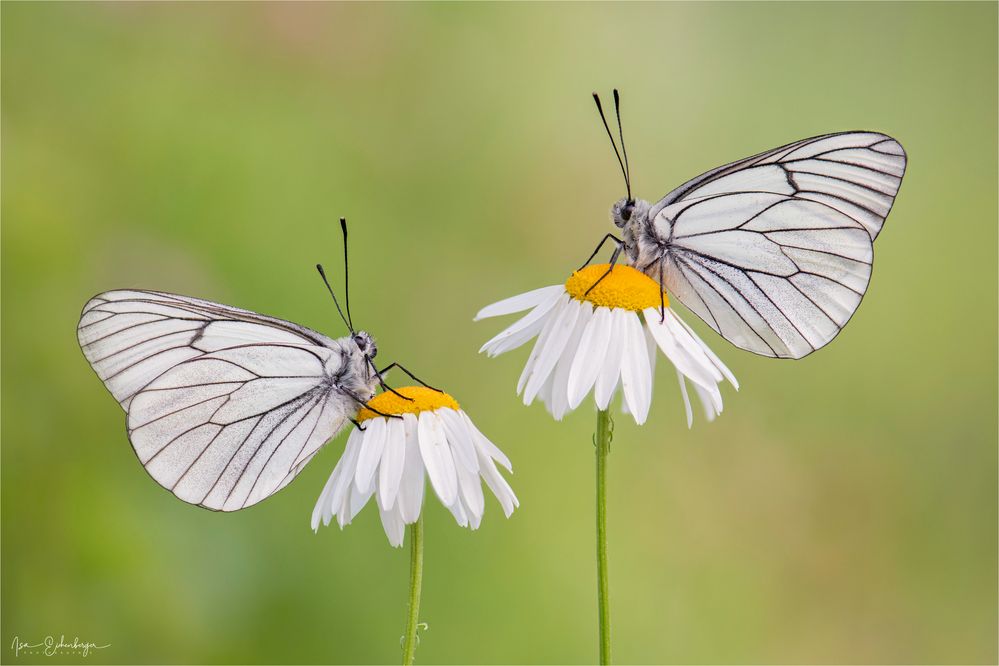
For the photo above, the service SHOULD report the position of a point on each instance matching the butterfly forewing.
(225, 406)
(858, 173)
(131, 337)
(774, 251)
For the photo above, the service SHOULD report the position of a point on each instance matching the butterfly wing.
(231, 427)
(774, 251)
(131, 337)
(225, 406)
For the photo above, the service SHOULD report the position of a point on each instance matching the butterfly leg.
(358, 400)
(381, 382)
(613, 260)
(358, 425)
(386, 387)
(411, 375)
(600, 245)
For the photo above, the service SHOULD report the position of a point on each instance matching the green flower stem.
(415, 587)
(605, 432)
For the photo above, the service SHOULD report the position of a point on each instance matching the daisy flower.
(603, 337)
(389, 458)
(597, 333)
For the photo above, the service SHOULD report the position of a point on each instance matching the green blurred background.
(844, 507)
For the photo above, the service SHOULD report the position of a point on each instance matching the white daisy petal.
(501, 489)
(589, 357)
(460, 439)
(371, 452)
(484, 446)
(513, 337)
(320, 511)
(524, 329)
(474, 520)
(410, 498)
(698, 373)
(393, 459)
(395, 529)
(345, 479)
(636, 375)
(686, 399)
(545, 392)
(519, 302)
(554, 344)
(688, 343)
(610, 370)
(343, 510)
(710, 402)
(711, 355)
(358, 498)
(539, 345)
(558, 404)
(651, 348)
(338, 484)
(714, 396)
(437, 457)
(458, 511)
(470, 486)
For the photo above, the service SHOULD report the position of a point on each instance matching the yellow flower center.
(624, 287)
(422, 399)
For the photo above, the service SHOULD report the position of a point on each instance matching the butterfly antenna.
(610, 135)
(322, 274)
(620, 131)
(346, 272)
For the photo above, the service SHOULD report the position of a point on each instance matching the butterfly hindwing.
(231, 427)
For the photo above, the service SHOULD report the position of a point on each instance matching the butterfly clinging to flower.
(773, 251)
(225, 406)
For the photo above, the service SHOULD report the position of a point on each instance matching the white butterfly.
(224, 406)
(773, 251)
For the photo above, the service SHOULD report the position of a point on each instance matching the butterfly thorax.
(351, 367)
(642, 244)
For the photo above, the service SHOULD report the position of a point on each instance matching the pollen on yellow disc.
(624, 287)
(421, 399)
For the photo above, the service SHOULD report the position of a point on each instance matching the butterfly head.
(365, 344)
(626, 211)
